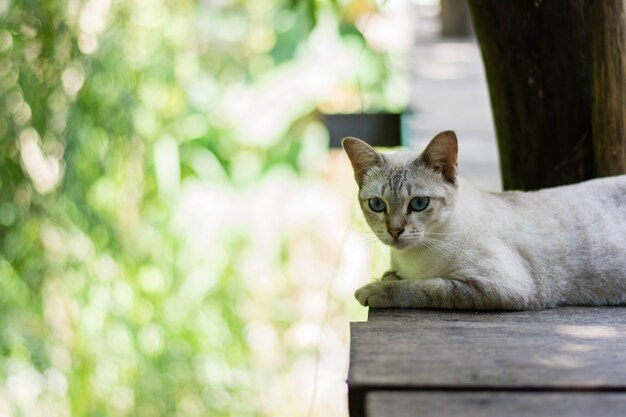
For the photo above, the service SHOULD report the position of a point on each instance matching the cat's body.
(564, 245)
(475, 250)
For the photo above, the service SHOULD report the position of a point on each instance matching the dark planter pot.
(377, 129)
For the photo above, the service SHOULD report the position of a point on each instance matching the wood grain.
(560, 350)
(565, 315)
(489, 404)
(548, 349)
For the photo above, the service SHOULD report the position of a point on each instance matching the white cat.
(453, 246)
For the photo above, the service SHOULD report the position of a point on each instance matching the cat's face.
(406, 200)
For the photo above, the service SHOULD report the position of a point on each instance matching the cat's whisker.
(436, 249)
(444, 246)
(432, 247)
(370, 240)
(443, 233)
(447, 245)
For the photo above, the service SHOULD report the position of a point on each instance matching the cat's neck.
(469, 203)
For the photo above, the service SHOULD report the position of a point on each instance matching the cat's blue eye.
(377, 204)
(419, 203)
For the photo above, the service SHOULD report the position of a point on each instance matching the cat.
(456, 247)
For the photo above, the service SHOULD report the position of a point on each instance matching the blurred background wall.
(176, 237)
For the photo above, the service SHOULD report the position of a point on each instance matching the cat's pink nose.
(395, 231)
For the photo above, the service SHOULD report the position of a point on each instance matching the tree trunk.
(538, 74)
(455, 19)
(607, 36)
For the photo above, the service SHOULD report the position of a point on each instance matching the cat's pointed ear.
(362, 156)
(441, 154)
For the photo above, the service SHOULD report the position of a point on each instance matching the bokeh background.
(176, 236)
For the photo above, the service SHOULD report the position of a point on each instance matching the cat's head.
(406, 198)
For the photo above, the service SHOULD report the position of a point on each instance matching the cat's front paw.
(376, 294)
(390, 276)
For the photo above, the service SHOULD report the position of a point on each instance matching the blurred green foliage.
(109, 109)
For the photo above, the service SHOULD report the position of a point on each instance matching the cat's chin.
(401, 245)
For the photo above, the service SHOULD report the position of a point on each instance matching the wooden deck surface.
(448, 363)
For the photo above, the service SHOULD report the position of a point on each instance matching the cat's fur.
(476, 250)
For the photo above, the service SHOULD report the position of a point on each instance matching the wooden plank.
(551, 349)
(488, 404)
(554, 350)
(565, 315)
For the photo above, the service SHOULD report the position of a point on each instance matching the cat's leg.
(437, 293)
(390, 276)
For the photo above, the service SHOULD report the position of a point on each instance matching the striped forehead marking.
(397, 180)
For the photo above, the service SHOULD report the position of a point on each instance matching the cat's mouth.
(399, 244)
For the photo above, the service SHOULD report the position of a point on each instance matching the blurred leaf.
(142, 248)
